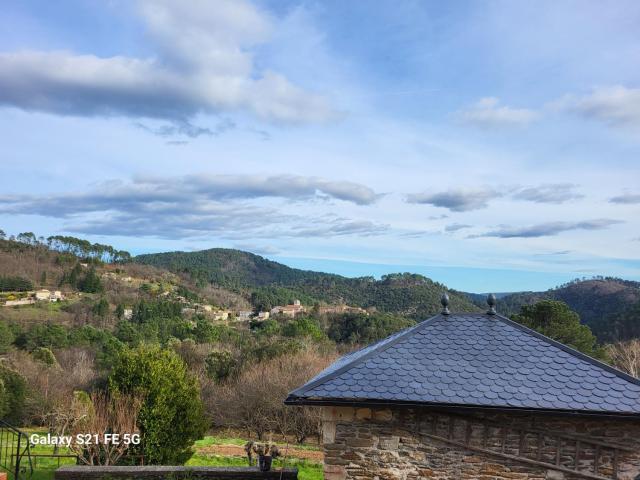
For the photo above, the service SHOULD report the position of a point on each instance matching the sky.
(492, 146)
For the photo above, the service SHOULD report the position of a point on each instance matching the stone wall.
(85, 472)
(415, 444)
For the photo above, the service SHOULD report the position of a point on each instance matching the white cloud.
(549, 228)
(548, 193)
(200, 205)
(203, 64)
(488, 113)
(457, 200)
(614, 105)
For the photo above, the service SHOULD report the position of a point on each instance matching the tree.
(557, 321)
(101, 308)
(45, 355)
(15, 388)
(6, 338)
(626, 356)
(255, 402)
(171, 417)
(221, 365)
(3, 235)
(91, 282)
(120, 311)
(103, 414)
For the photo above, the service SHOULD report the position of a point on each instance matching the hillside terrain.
(235, 330)
(405, 294)
(605, 304)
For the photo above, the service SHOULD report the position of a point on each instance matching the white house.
(43, 294)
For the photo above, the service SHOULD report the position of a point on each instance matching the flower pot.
(264, 462)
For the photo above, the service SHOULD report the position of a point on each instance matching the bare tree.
(254, 401)
(626, 356)
(106, 429)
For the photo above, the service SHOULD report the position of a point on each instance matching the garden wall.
(81, 472)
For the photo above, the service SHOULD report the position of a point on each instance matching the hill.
(404, 293)
(605, 304)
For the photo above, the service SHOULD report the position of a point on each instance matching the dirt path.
(238, 451)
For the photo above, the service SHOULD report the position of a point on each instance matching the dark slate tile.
(473, 359)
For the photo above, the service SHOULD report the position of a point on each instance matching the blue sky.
(489, 145)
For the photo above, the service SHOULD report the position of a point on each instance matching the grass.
(306, 470)
(213, 440)
(216, 440)
(44, 468)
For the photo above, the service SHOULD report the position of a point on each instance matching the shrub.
(171, 417)
(14, 393)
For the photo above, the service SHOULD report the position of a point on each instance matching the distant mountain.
(404, 293)
(604, 304)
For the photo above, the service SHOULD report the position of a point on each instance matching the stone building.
(475, 396)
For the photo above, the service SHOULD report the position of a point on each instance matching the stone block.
(554, 475)
(335, 472)
(363, 414)
(328, 432)
(385, 415)
(388, 443)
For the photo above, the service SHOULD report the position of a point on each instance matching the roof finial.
(444, 300)
(491, 301)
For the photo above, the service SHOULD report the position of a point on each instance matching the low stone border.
(83, 472)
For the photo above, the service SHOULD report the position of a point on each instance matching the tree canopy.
(557, 321)
(171, 418)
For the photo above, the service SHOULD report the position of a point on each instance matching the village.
(167, 290)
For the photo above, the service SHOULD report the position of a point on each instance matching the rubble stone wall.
(406, 444)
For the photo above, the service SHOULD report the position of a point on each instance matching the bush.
(15, 284)
(171, 417)
(14, 393)
(221, 365)
(365, 329)
(6, 338)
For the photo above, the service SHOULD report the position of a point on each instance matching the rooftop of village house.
(478, 361)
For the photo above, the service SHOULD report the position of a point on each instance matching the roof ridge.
(568, 349)
(362, 358)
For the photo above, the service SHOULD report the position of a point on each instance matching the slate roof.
(474, 360)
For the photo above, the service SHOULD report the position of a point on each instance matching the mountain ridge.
(404, 293)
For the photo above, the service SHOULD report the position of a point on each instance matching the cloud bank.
(203, 64)
(456, 200)
(549, 193)
(614, 105)
(549, 229)
(202, 205)
(626, 198)
(488, 113)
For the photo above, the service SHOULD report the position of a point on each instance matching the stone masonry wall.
(394, 444)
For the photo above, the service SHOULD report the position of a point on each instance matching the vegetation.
(124, 332)
(271, 283)
(171, 417)
(607, 305)
(15, 284)
(557, 321)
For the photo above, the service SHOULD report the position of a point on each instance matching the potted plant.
(266, 452)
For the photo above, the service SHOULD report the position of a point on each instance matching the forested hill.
(610, 306)
(231, 268)
(272, 282)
